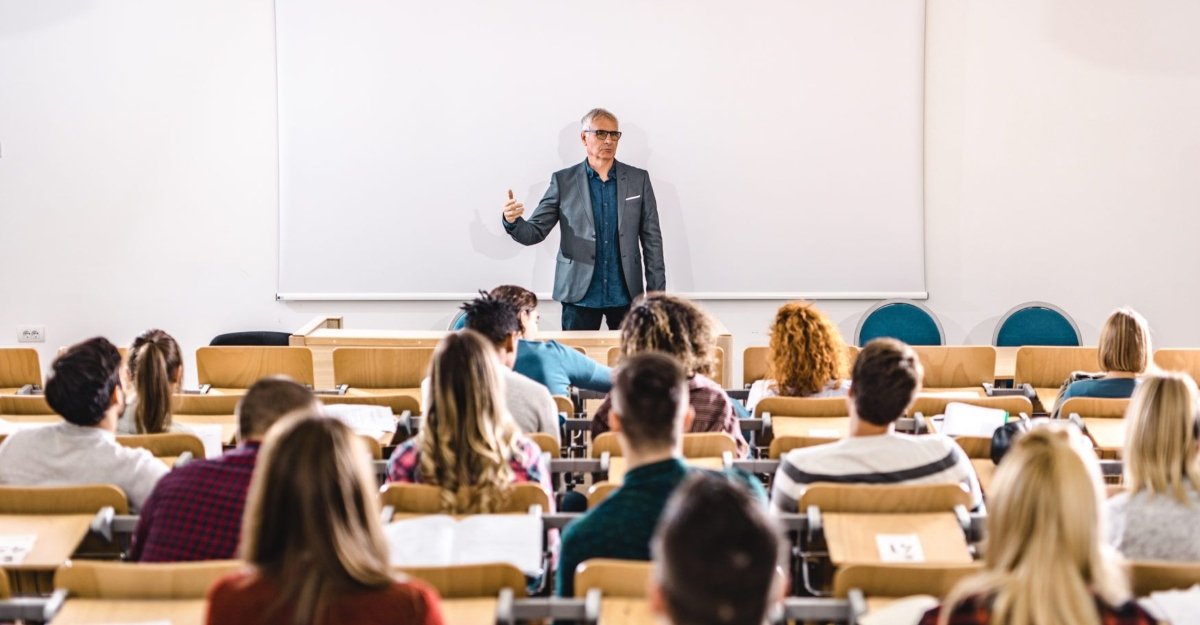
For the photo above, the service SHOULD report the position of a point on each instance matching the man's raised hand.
(512, 208)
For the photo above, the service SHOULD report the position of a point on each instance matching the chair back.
(168, 445)
(1049, 367)
(614, 578)
(563, 404)
(381, 367)
(1185, 360)
(930, 406)
(1147, 576)
(261, 338)
(398, 403)
(802, 407)
(5, 589)
(374, 447)
(957, 366)
(599, 492)
(19, 366)
(780, 445)
(427, 499)
(1095, 407)
(695, 445)
(905, 320)
(466, 581)
(547, 443)
(143, 580)
(1036, 323)
(56, 500)
(756, 363)
(901, 580)
(25, 405)
(890, 499)
(182, 404)
(241, 367)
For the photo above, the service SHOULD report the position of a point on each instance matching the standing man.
(609, 220)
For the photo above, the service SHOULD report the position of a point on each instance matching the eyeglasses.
(605, 134)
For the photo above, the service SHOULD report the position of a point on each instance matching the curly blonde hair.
(467, 440)
(672, 325)
(807, 351)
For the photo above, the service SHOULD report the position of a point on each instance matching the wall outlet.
(31, 334)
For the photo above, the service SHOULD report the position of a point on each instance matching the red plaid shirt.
(195, 511)
(714, 412)
(527, 462)
(977, 610)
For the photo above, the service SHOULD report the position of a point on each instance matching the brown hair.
(312, 518)
(156, 368)
(521, 298)
(1160, 452)
(715, 554)
(1125, 342)
(650, 396)
(664, 323)
(807, 351)
(467, 439)
(84, 378)
(887, 376)
(269, 400)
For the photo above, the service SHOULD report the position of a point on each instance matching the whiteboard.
(783, 140)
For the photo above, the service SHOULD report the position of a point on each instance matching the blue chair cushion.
(1037, 325)
(905, 322)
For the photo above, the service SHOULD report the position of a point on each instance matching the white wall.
(138, 180)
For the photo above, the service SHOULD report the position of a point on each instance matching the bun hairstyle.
(83, 379)
(155, 366)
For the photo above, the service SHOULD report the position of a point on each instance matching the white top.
(762, 389)
(127, 423)
(68, 454)
(529, 403)
(1145, 527)
(886, 459)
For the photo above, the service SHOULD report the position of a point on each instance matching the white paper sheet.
(899, 548)
(363, 418)
(906, 611)
(441, 540)
(210, 435)
(967, 420)
(15, 547)
(1178, 607)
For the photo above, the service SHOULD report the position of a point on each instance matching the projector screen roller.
(783, 140)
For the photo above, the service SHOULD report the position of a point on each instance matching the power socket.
(31, 334)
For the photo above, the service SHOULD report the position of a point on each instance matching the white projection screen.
(783, 139)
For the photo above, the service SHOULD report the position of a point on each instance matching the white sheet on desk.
(15, 547)
(906, 611)
(363, 418)
(9, 427)
(210, 435)
(1174, 606)
(442, 540)
(967, 420)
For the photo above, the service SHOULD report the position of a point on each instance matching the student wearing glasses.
(609, 221)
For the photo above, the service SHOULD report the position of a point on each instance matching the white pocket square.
(632, 198)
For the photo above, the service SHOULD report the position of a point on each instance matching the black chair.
(259, 339)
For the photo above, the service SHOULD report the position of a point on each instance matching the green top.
(622, 525)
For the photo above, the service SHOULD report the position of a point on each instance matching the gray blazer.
(569, 201)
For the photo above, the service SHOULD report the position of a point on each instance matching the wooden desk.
(626, 611)
(811, 427)
(228, 423)
(323, 334)
(1006, 363)
(176, 611)
(57, 538)
(851, 537)
(475, 610)
(617, 467)
(1109, 435)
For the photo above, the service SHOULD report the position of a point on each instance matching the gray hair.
(593, 114)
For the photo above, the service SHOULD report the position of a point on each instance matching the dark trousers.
(583, 318)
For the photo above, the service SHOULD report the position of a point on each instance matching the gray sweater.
(1158, 527)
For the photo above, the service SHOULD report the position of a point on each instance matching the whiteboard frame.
(458, 297)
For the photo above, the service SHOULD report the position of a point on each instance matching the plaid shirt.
(977, 610)
(527, 462)
(714, 412)
(195, 511)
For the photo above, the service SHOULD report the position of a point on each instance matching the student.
(467, 438)
(649, 413)
(195, 512)
(1044, 562)
(1158, 515)
(550, 363)
(716, 556)
(313, 539)
(155, 372)
(886, 379)
(1124, 355)
(672, 325)
(807, 357)
(528, 402)
(85, 388)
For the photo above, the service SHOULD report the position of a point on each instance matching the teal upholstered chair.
(1036, 323)
(900, 319)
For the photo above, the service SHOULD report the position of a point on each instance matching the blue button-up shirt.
(607, 289)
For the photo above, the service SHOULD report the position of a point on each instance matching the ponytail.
(154, 360)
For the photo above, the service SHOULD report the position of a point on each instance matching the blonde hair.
(1160, 451)
(674, 326)
(1043, 559)
(1125, 342)
(312, 517)
(807, 351)
(468, 439)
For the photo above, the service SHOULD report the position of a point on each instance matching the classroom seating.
(622, 586)
(547, 443)
(755, 363)
(901, 580)
(564, 405)
(19, 367)
(1105, 421)
(381, 370)
(25, 405)
(906, 320)
(1147, 576)
(232, 370)
(259, 338)
(1185, 360)
(1036, 323)
(206, 410)
(416, 499)
(934, 405)
(710, 450)
(168, 446)
(600, 491)
(110, 592)
(469, 592)
(823, 420)
(1046, 368)
(961, 370)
